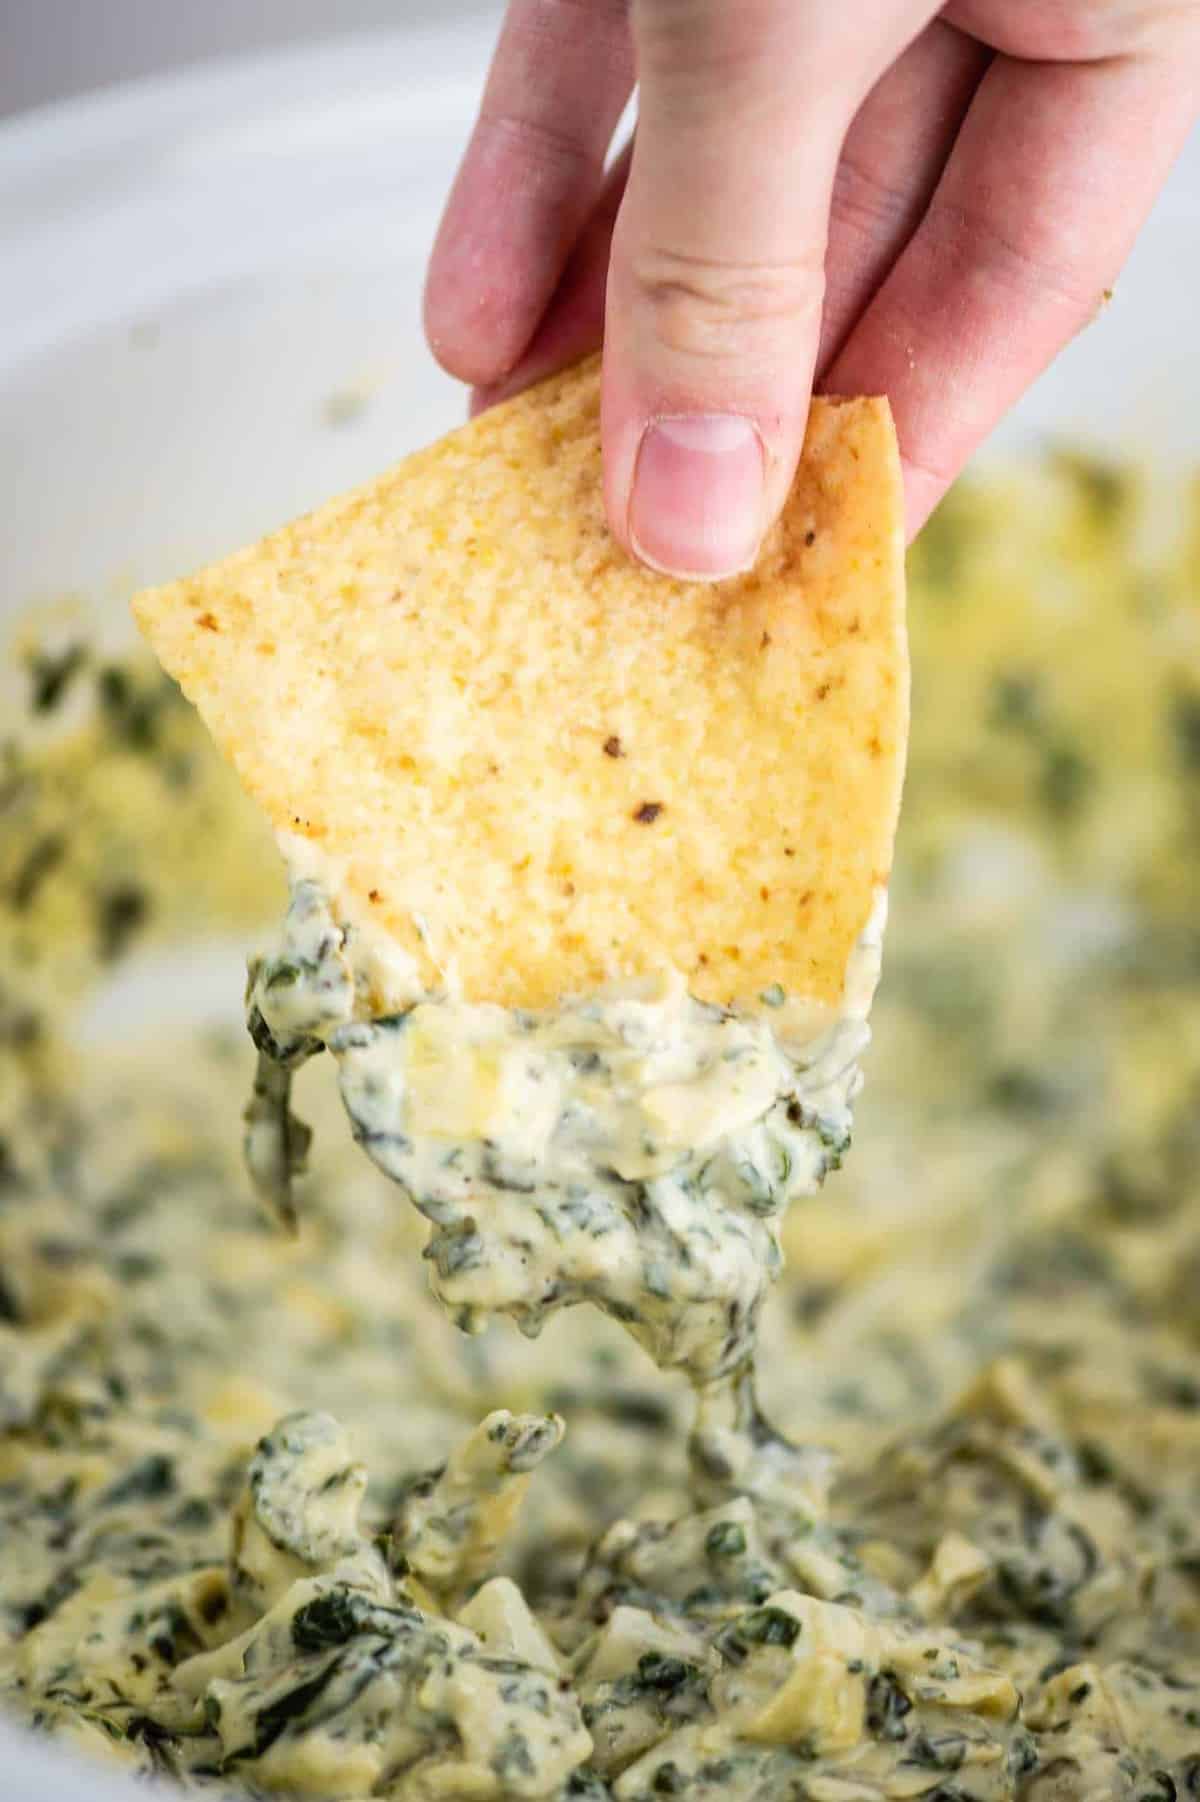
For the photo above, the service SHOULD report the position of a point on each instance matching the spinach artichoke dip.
(271, 1523)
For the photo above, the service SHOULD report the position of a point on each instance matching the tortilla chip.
(535, 763)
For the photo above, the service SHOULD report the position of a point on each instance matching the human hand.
(889, 197)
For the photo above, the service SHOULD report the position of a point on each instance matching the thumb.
(716, 277)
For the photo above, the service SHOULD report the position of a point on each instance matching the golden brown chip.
(528, 758)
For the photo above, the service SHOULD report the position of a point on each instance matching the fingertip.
(697, 499)
(711, 336)
(574, 322)
(694, 480)
(923, 492)
(471, 334)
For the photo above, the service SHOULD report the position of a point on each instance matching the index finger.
(561, 76)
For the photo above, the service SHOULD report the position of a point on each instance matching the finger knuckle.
(1039, 265)
(867, 200)
(529, 141)
(717, 310)
(729, 47)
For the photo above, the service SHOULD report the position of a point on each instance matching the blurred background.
(55, 48)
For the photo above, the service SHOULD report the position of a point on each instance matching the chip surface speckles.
(534, 762)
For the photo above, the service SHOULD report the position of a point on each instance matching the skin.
(882, 197)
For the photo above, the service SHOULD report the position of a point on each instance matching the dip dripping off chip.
(529, 760)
